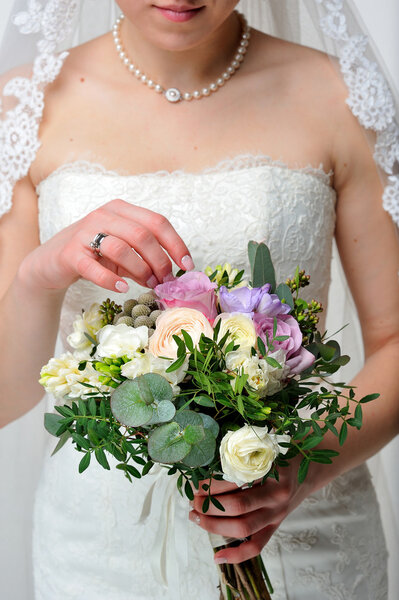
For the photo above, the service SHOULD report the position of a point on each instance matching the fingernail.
(187, 263)
(122, 286)
(194, 517)
(220, 560)
(191, 503)
(152, 282)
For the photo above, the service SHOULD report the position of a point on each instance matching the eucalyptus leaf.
(188, 417)
(252, 246)
(284, 293)
(263, 270)
(193, 434)
(135, 401)
(202, 454)
(210, 424)
(166, 443)
(52, 422)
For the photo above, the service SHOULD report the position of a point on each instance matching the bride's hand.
(137, 246)
(253, 513)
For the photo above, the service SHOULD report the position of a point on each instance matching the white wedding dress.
(88, 543)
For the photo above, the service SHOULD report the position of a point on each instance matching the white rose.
(236, 359)
(61, 377)
(241, 327)
(121, 340)
(90, 322)
(248, 453)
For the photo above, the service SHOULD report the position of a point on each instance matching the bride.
(181, 134)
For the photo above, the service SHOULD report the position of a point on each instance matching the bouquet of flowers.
(206, 376)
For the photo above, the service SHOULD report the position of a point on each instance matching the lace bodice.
(216, 211)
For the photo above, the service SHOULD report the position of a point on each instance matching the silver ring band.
(96, 243)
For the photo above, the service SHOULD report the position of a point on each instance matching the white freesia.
(248, 453)
(90, 322)
(121, 340)
(236, 359)
(240, 326)
(61, 377)
(148, 363)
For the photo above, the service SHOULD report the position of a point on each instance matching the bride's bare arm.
(34, 279)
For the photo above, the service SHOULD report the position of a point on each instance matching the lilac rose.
(192, 290)
(297, 358)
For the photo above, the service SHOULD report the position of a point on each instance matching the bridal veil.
(34, 46)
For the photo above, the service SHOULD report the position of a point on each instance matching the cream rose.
(248, 453)
(121, 340)
(241, 328)
(170, 322)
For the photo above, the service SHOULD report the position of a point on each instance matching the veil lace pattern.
(370, 98)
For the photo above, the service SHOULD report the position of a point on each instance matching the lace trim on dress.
(19, 130)
(236, 163)
(370, 98)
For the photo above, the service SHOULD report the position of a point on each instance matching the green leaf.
(135, 401)
(81, 441)
(327, 351)
(189, 491)
(311, 441)
(284, 293)
(205, 505)
(147, 468)
(303, 470)
(343, 433)
(177, 364)
(359, 415)
(52, 422)
(82, 407)
(210, 424)
(166, 443)
(203, 400)
(188, 341)
(101, 458)
(252, 247)
(62, 441)
(216, 503)
(369, 398)
(203, 453)
(263, 270)
(84, 463)
(193, 434)
(273, 362)
(188, 417)
(92, 433)
(181, 346)
(133, 471)
(92, 407)
(261, 346)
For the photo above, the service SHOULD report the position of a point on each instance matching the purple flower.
(297, 358)
(270, 305)
(242, 300)
(192, 290)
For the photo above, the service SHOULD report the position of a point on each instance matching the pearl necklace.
(174, 94)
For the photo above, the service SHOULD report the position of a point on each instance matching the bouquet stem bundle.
(247, 580)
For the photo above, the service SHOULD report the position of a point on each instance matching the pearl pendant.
(173, 95)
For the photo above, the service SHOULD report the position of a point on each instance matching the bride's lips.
(178, 14)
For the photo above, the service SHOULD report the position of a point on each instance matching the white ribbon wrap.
(169, 553)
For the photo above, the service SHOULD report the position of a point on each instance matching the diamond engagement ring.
(96, 243)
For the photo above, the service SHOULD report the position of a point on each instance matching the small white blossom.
(61, 377)
(121, 340)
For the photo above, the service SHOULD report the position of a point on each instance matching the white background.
(382, 20)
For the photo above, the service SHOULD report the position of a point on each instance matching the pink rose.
(297, 358)
(192, 290)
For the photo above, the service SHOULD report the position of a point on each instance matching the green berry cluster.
(299, 281)
(307, 317)
(109, 309)
(140, 311)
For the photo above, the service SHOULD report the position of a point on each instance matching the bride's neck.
(187, 68)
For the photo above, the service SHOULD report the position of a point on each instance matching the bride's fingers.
(244, 501)
(121, 254)
(89, 268)
(247, 549)
(160, 227)
(236, 527)
(122, 238)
